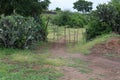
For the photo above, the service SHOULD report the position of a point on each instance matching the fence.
(64, 34)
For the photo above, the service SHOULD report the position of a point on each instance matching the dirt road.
(85, 67)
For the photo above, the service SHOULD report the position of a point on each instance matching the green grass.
(112, 55)
(55, 62)
(37, 64)
(79, 64)
(28, 73)
(26, 65)
(18, 64)
(92, 79)
(84, 47)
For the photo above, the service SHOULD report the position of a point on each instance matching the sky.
(68, 4)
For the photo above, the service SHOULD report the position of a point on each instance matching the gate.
(64, 34)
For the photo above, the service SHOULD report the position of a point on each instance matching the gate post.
(65, 34)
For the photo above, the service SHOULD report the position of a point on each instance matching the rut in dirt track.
(101, 68)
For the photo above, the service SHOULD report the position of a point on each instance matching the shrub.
(104, 20)
(69, 18)
(62, 18)
(77, 20)
(19, 32)
(96, 28)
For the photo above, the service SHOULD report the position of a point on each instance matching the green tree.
(62, 19)
(58, 9)
(104, 20)
(116, 5)
(83, 6)
(71, 19)
(23, 7)
(106, 13)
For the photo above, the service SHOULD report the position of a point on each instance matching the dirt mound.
(110, 46)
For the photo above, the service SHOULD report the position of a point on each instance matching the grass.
(84, 47)
(55, 62)
(18, 64)
(33, 65)
(29, 74)
(92, 79)
(25, 65)
(112, 55)
(79, 64)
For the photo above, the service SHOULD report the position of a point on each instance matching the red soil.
(110, 46)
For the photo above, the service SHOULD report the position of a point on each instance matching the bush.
(77, 20)
(104, 20)
(19, 32)
(70, 19)
(62, 18)
(96, 28)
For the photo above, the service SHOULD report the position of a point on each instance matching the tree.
(62, 19)
(83, 6)
(58, 9)
(23, 7)
(106, 13)
(103, 20)
(71, 19)
(116, 5)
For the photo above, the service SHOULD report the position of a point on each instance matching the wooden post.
(74, 35)
(77, 35)
(57, 32)
(65, 35)
(47, 23)
(53, 32)
(69, 36)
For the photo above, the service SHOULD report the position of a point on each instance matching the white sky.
(68, 4)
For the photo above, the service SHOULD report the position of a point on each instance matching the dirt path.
(85, 67)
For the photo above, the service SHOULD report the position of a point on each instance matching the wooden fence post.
(74, 35)
(57, 33)
(69, 36)
(65, 34)
(54, 32)
(77, 35)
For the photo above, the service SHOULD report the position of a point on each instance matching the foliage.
(62, 19)
(104, 20)
(19, 32)
(69, 18)
(23, 7)
(96, 28)
(58, 9)
(83, 6)
(116, 5)
(26, 65)
(77, 20)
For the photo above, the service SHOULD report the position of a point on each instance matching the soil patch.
(109, 49)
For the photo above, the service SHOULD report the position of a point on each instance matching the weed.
(84, 47)
(92, 79)
(112, 55)
(81, 65)
(25, 65)
(55, 62)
